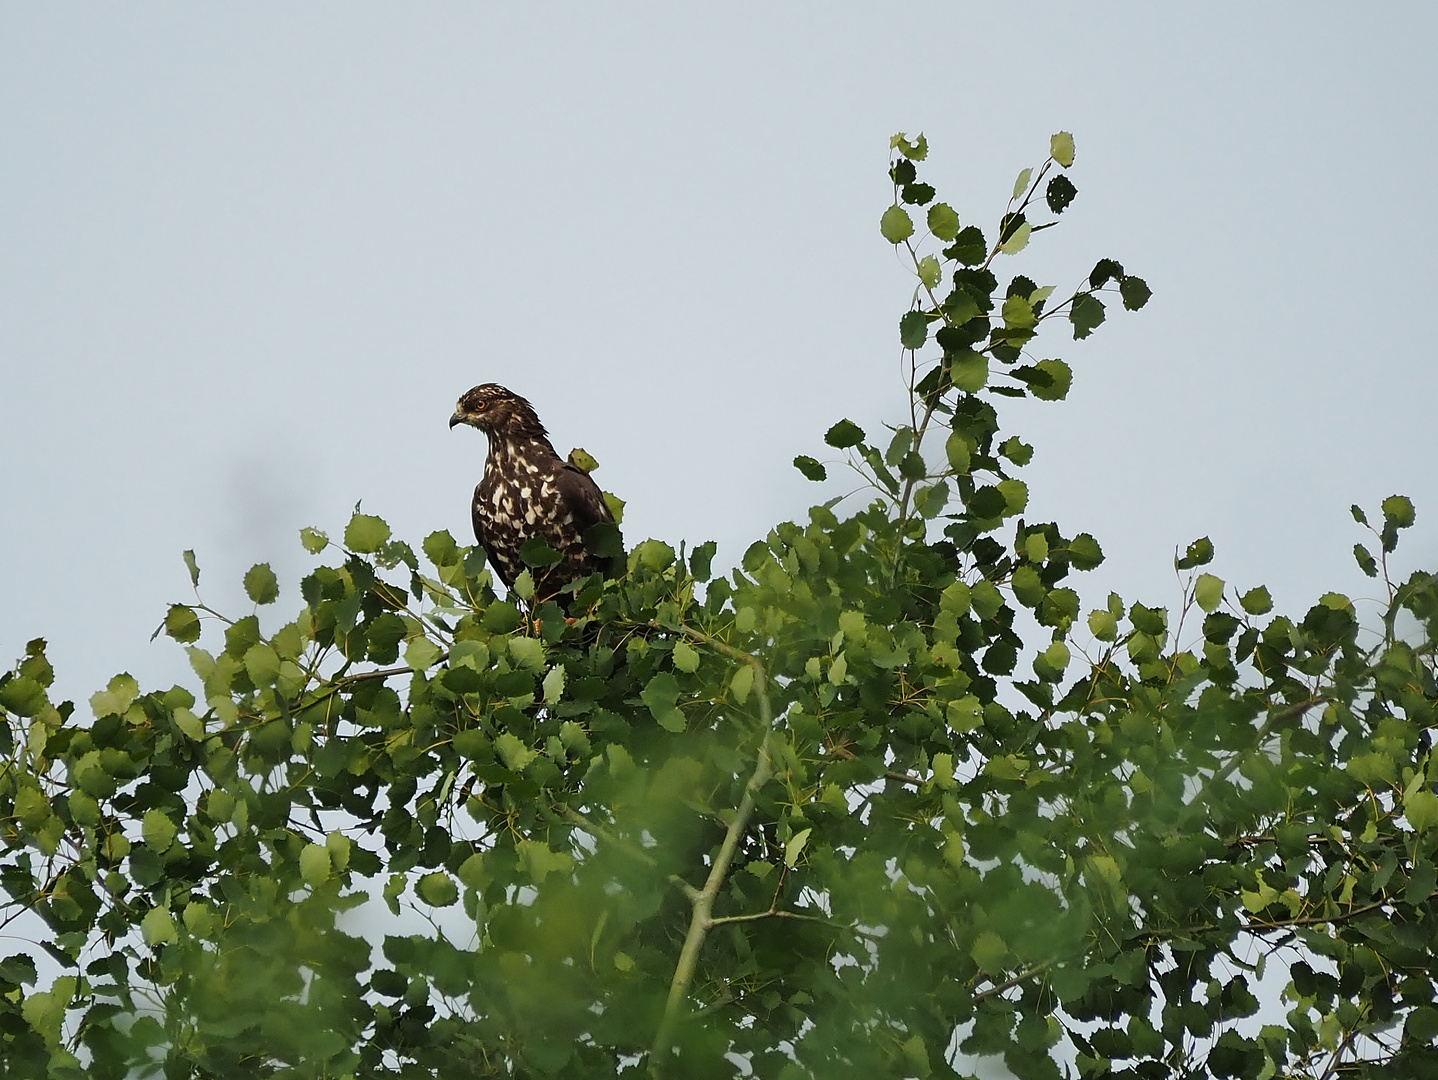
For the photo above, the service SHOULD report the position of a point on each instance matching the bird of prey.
(528, 491)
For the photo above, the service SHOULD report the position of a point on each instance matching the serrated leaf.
(943, 222)
(314, 865)
(1198, 553)
(1061, 148)
(929, 271)
(1134, 292)
(313, 540)
(422, 654)
(795, 847)
(158, 927)
(366, 533)
(1398, 510)
(686, 657)
(811, 468)
(1256, 601)
(913, 330)
(989, 952)
(1421, 809)
(1365, 560)
(1208, 592)
(582, 460)
(741, 683)
(844, 434)
(1022, 183)
(261, 585)
(1018, 313)
(1018, 239)
(158, 830)
(515, 755)
(182, 624)
(896, 225)
(916, 150)
(1059, 193)
(659, 694)
(553, 685)
(437, 889)
(1086, 314)
(1103, 625)
(969, 371)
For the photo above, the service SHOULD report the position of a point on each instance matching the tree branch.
(702, 900)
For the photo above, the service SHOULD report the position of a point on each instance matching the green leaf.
(537, 552)
(1420, 807)
(1017, 240)
(159, 830)
(313, 540)
(1208, 592)
(1085, 552)
(930, 273)
(1365, 560)
(1086, 314)
(844, 434)
(916, 150)
(262, 664)
(943, 221)
(956, 448)
(158, 927)
(811, 468)
(1016, 450)
(261, 585)
(182, 624)
(314, 865)
(1059, 193)
(1050, 379)
(969, 247)
(989, 952)
(702, 557)
(437, 889)
(45, 1012)
(1019, 313)
(917, 1055)
(1022, 183)
(795, 847)
(913, 330)
(896, 225)
(422, 654)
(1398, 511)
(1256, 601)
(366, 533)
(1061, 148)
(1016, 496)
(686, 658)
(1199, 553)
(1103, 625)
(1134, 292)
(969, 371)
(193, 568)
(553, 685)
(515, 755)
(659, 694)
(582, 460)
(742, 683)
(1358, 514)
(440, 548)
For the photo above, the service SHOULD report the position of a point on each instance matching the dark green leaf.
(844, 434)
(810, 467)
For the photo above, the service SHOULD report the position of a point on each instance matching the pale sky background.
(251, 254)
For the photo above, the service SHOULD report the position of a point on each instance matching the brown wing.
(580, 506)
(501, 541)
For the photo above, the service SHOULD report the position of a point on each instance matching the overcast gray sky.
(251, 254)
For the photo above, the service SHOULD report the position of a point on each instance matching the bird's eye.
(479, 406)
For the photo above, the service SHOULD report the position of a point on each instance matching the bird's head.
(497, 411)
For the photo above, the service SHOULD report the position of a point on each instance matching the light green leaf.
(527, 652)
(1018, 241)
(956, 448)
(158, 927)
(539, 861)
(686, 658)
(1103, 625)
(437, 889)
(1019, 313)
(158, 830)
(338, 845)
(1022, 183)
(261, 585)
(422, 654)
(313, 540)
(896, 225)
(45, 1011)
(742, 683)
(1061, 148)
(795, 847)
(1208, 592)
(943, 222)
(916, 150)
(553, 684)
(965, 714)
(515, 755)
(660, 693)
(989, 952)
(970, 371)
(314, 865)
(1256, 601)
(929, 271)
(1421, 809)
(366, 533)
(839, 669)
(262, 664)
(917, 1055)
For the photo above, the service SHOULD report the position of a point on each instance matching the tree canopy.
(885, 800)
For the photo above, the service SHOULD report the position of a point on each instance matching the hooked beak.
(456, 419)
